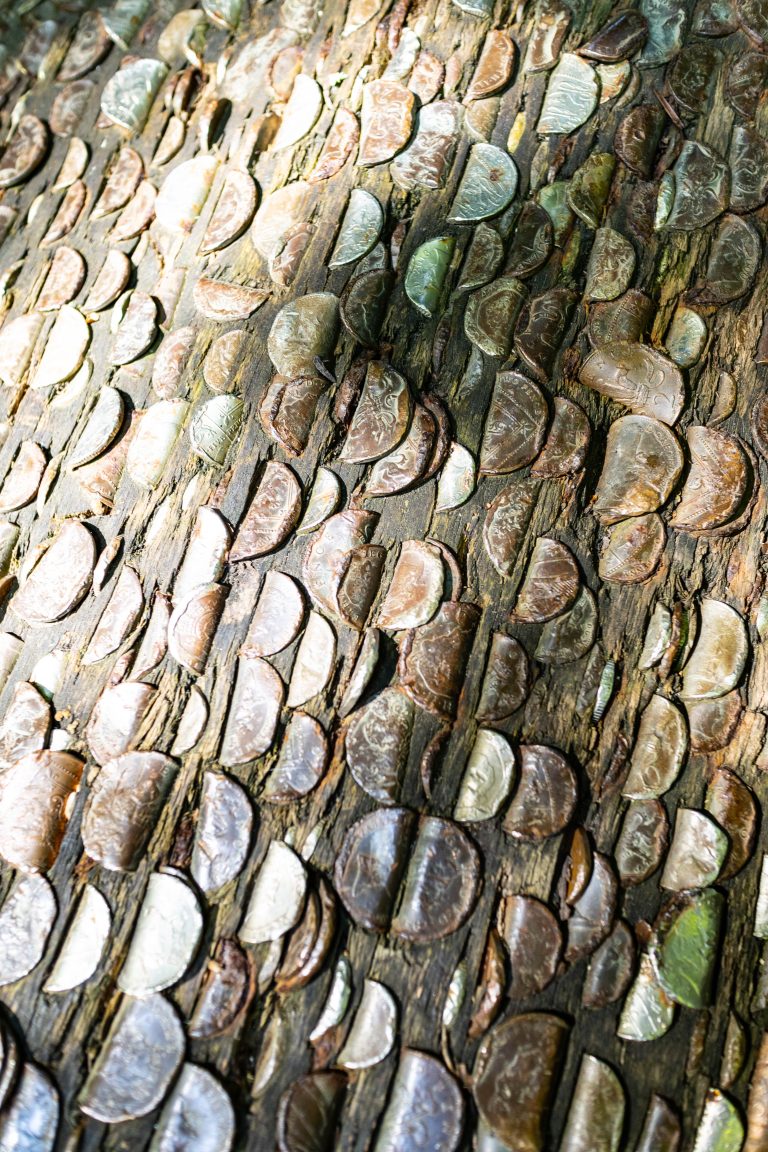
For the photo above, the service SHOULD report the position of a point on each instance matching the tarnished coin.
(139, 1059)
(426, 161)
(638, 376)
(515, 1077)
(377, 743)
(233, 213)
(35, 791)
(488, 185)
(643, 461)
(60, 579)
(254, 710)
(718, 483)
(197, 1111)
(122, 807)
(571, 96)
(386, 121)
(425, 1108)
(25, 151)
(88, 47)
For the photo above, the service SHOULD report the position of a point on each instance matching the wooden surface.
(64, 1032)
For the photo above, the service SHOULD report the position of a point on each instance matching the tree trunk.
(706, 544)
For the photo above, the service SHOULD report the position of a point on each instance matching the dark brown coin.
(734, 259)
(631, 549)
(482, 259)
(746, 81)
(377, 743)
(701, 187)
(506, 523)
(546, 794)
(577, 869)
(288, 411)
(507, 679)
(491, 313)
(382, 416)
(441, 882)
(272, 514)
(227, 989)
(432, 867)
(550, 585)
(621, 37)
(364, 303)
(565, 449)
(622, 320)
(694, 74)
(748, 159)
(712, 723)
(515, 425)
(515, 1078)
(404, 467)
(434, 656)
(754, 20)
(308, 1112)
(491, 987)
(534, 942)
(532, 241)
(371, 864)
(661, 1128)
(327, 558)
(638, 136)
(338, 146)
(308, 950)
(570, 636)
(193, 625)
(734, 807)
(540, 329)
(359, 585)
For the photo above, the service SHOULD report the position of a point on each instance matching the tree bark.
(65, 1032)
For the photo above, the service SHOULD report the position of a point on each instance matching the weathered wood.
(64, 1032)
